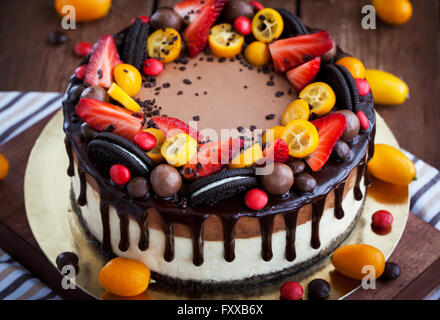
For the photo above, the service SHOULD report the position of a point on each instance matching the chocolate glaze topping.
(331, 177)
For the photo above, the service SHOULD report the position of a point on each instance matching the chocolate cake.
(198, 231)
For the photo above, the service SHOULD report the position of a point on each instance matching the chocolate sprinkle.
(270, 116)
(279, 94)
(187, 81)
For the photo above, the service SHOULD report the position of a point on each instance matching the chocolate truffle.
(297, 166)
(237, 8)
(279, 181)
(341, 151)
(138, 187)
(353, 125)
(96, 93)
(87, 133)
(165, 180)
(166, 18)
(304, 182)
(74, 93)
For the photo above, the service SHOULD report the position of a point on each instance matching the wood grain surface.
(412, 51)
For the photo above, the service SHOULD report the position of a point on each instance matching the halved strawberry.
(330, 129)
(172, 126)
(202, 18)
(100, 115)
(289, 53)
(103, 60)
(303, 75)
(277, 151)
(211, 158)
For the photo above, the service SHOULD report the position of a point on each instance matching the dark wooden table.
(412, 52)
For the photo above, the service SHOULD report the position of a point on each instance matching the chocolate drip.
(367, 178)
(266, 225)
(228, 238)
(124, 243)
(318, 210)
(144, 238)
(70, 169)
(82, 199)
(105, 219)
(197, 240)
(169, 240)
(339, 195)
(290, 219)
(360, 173)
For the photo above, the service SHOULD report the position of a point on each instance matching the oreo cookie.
(293, 25)
(135, 43)
(107, 149)
(351, 86)
(331, 75)
(220, 186)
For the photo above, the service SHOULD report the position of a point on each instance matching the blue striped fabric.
(19, 111)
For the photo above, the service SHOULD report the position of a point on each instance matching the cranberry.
(152, 67)
(119, 174)
(143, 18)
(291, 290)
(363, 87)
(256, 199)
(382, 219)
(243, 25)
(80, 72)
(82, 49)
(145, 140)
(257, 6)
(363, 120)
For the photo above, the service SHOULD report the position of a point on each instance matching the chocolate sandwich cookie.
(222, 185)
(351, 86)
(135, 43)
(108, 149)
(293, 25)
(331, 75)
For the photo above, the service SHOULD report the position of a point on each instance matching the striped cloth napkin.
(19, 111)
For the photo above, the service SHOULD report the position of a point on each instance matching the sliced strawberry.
(277, 151)
(172, 126)
(103, 60)
(304, 74)
(289, 53)
(330, 129)
(211, 158)
(190, 9)
(100, 115)
(197, 33)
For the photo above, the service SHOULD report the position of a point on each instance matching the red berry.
(257, 6)
(291, 290)
(82, 49)
(143, 18)
(363, 120)
(363, 87)
(80, 72)
(145, 140)
(382, 219)
(243, 25)
(152, 67)
(256, 199)
(119, 174)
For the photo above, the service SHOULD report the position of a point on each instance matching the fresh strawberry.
(172, 126)
(100, 116)
(304, 74)
(330, 129)
(277, 151)
(202, 15)
(103, 60)
(211, 158)
(289, 53)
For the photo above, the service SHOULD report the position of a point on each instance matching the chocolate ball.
(329, 55)
(391, 271)
(353, 125)
(318, 289)
(279, 181)
(57, 37)
(166, 18)
(341, 151)
(138, 187)
(75, 93)
(304, 182)
(237, 8)
(96, 93)
(297, 166)
(165, 180)
(87, 133)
